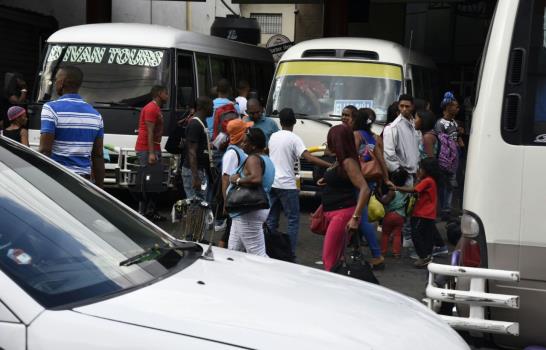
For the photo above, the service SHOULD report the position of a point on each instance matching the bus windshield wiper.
(157, 252)
(313, 118)
(115, 104)
(111, 103)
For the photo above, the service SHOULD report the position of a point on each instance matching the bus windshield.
(112, 75)
(324, 88)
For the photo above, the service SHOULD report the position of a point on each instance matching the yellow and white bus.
(317, 78)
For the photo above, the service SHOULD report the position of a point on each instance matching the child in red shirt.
(424, 211)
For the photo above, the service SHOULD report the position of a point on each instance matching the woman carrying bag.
(370, 151)
(248, 196)
(342, 209)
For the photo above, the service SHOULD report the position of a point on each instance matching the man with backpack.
(449, 140)
(221, 105)
(196, 160)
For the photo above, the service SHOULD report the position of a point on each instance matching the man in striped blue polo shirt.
(72, 130)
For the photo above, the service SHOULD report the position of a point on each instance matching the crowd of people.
(230, 147)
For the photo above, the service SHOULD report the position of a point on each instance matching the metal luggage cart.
(195, 218)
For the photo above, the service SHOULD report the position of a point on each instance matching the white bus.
(317, 78)
(121, 62)
(504, 221)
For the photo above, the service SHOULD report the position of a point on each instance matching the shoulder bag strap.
(208, 141)
(372, 155)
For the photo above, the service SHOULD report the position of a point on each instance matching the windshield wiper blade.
(313, 118)
(156, 252)
(112, 103)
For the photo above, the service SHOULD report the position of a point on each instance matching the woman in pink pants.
(341, 207)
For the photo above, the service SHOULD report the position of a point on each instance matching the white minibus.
(317, 78)
(121, 62)
(504, 218)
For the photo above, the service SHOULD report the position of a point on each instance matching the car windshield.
(64, 242)
(324, 88)
(112, 75)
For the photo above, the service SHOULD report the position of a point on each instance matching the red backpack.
(218, 113)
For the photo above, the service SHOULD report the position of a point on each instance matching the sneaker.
(422, 263)
(413, 255)
(439, 250)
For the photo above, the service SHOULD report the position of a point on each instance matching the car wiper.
(156, 252)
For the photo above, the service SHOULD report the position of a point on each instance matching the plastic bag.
(376, 211)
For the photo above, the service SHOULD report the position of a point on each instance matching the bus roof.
(387, 51)
(151, 35)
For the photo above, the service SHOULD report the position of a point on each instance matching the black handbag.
(242, 199)
(277, 245)
(356, 267)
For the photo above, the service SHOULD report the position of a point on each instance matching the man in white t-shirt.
(285, 148)
(243, 88)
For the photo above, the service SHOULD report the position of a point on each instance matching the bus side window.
(185, 86)
(524, 110)
(221, 69)
(203, 75)
(264, 74)
(409, 88)
(243, 71)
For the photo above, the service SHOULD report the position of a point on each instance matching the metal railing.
(476, 297)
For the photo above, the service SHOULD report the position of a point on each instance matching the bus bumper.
(121, 171)
(476, 298)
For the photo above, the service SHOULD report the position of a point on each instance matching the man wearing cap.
(72, 130)
(285, 148)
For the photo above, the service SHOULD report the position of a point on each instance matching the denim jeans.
(188, 188)
(367, 229)
(446, 192)
(147, 201)
(289, 202)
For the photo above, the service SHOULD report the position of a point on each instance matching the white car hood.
(262, 303)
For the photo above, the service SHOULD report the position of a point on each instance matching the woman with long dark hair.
(368, 144)
(342, 209)
(424, 122)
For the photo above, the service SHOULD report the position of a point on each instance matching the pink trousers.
(336, 236)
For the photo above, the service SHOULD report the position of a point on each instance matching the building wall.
(288, 17)
(385, 21)
(309, 22)
(68, 13)
(192, 16)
